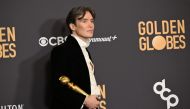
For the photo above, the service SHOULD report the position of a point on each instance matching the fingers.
(91, 102)
(98, 97)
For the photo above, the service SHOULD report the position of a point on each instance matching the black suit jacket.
(67, 59)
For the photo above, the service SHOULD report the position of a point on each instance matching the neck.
(83, 42)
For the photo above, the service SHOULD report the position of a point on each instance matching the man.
(72, 59)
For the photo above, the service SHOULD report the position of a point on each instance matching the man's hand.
(91, 102)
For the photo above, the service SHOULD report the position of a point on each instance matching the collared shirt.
(84, 43)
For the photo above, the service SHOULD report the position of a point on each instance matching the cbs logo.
(53, 41)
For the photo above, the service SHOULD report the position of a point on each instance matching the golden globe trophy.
(66, 81)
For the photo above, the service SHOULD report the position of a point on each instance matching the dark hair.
(78, 13)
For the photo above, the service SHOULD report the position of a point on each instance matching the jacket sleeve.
(64, 97)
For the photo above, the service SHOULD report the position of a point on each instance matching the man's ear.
(72, 26)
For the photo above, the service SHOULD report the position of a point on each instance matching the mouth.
(91, 31)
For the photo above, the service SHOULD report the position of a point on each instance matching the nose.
(91, 24)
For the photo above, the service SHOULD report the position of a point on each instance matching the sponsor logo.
(54, 41)
(160, 89)
(104, 39)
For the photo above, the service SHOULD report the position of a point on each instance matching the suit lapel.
(75, 45)
(89, 54)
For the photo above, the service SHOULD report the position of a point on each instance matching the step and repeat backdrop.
(140, 50)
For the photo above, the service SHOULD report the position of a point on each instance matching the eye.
(92, 21)
(84, 21)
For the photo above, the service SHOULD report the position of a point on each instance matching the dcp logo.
(162, 91)
(53, 41)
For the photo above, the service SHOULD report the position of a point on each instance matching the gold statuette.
(66, 81)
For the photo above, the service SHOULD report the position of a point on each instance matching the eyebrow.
(84, 19)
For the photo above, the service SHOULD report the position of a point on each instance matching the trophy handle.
(66, 81)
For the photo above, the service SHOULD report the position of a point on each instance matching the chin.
(89, 36)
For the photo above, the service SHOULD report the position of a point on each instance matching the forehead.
(87, 15)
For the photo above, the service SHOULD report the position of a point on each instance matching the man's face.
(84, 27)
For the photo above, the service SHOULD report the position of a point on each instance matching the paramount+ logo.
(162, 35)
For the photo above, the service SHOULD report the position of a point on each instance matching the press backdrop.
(140, 50)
